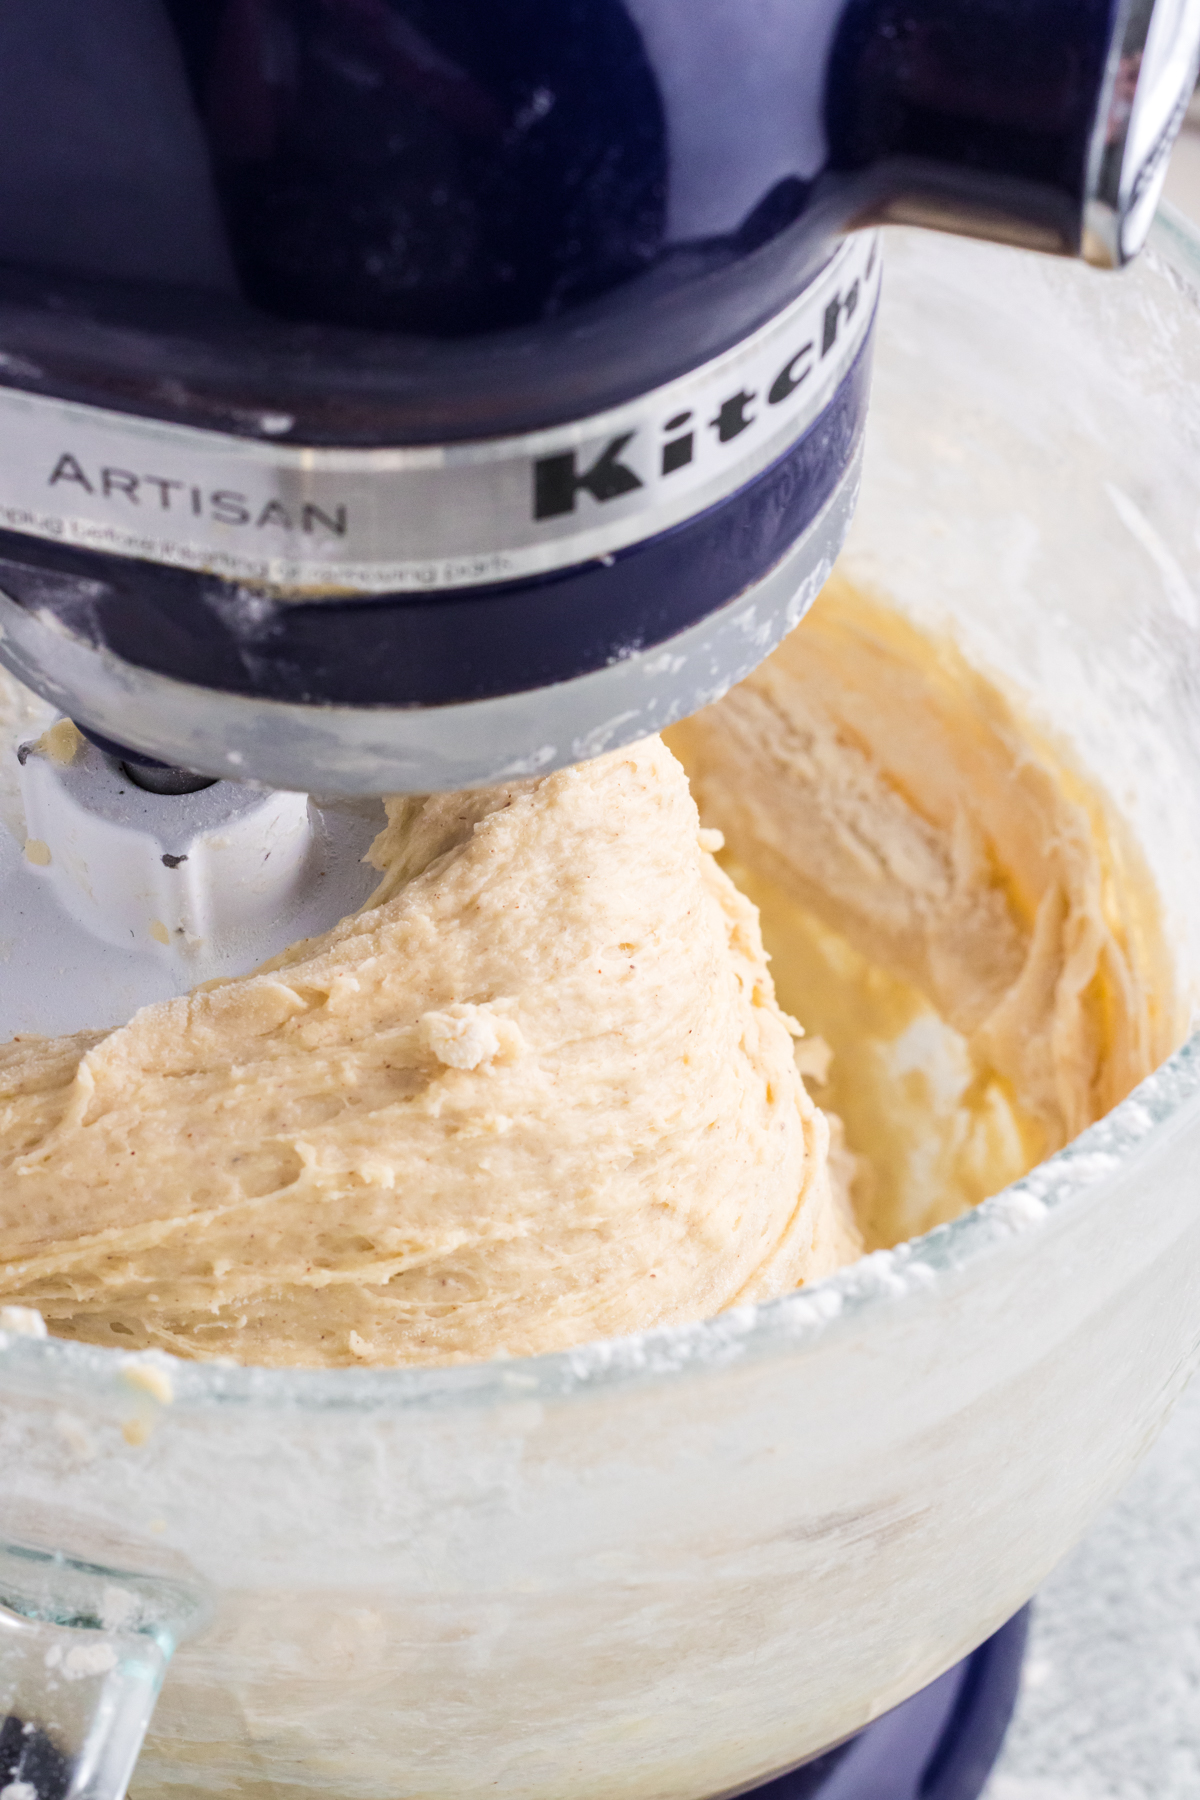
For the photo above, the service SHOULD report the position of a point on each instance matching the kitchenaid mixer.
(395, 403)
(77, 609)
(396, 397)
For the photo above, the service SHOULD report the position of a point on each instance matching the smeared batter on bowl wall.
(946, 902)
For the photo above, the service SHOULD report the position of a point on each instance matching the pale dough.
(539, 1091)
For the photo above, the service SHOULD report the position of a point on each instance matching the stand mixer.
(400, 398)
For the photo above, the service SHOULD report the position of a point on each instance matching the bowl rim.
(794, 1323)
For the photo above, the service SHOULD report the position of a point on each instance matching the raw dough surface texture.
(538, 1091)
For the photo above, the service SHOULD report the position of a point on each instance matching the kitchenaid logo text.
(225, 506)
(334, 521)
(558, 481)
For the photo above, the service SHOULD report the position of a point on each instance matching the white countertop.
(1110, 1697)
(1183, 172)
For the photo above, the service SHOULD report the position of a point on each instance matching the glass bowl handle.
(83, 1652)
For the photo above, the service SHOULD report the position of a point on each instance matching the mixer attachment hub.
(191, 870)
(129, 895)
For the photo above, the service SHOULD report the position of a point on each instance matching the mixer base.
(939, 1745)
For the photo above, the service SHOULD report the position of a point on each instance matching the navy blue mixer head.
(406, 393)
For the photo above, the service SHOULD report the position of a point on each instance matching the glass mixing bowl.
(673, 1565)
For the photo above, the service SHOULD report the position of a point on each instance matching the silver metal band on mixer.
(310, 522)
